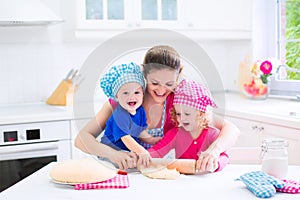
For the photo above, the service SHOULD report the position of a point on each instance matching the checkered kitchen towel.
(261, 184)
(119, 181)
(290, 186)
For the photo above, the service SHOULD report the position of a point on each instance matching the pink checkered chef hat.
(193, 94)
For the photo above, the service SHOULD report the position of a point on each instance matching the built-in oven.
(25, 148)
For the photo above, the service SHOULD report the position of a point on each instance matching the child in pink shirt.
(192, 134)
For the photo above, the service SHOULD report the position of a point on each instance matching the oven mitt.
(261, 184)
(292, 187)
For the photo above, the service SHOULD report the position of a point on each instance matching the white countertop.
(271, 110)
(37, 112)
(41, 112)
(220, 185)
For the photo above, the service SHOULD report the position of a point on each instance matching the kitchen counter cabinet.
(263, 119)
(213, 186)
(248, 146)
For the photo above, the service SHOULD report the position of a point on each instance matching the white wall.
(264, 29)
(33, 60)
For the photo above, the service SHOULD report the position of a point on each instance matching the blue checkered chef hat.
(119, 75)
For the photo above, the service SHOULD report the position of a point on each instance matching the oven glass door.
(12, 171)
(20, 160)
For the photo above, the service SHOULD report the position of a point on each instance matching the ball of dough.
(85, 170)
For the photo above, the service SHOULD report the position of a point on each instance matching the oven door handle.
(27, 150)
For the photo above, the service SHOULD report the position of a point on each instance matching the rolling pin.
(184, 166)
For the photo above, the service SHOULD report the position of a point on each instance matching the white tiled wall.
(30, 72)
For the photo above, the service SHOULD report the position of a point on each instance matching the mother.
(162, 68)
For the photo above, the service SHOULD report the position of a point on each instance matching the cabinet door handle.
(261, 128)
(254, 127)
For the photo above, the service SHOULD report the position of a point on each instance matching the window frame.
(282, 88)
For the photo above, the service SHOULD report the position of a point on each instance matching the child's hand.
(144, 159)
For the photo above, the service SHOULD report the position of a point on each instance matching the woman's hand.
(123, 159)
(208, 160)
(206, 163)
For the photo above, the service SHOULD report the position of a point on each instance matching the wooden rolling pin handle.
(184, 166)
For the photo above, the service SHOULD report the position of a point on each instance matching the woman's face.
(160, 83)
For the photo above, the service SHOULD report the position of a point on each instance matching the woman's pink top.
(186, 147)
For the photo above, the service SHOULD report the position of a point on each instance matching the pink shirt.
(186, 147)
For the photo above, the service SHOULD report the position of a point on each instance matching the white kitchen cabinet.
(205, 19)
(234, 15)
(127, 14)
(248, 146)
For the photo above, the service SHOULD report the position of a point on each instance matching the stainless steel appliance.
(25, 148)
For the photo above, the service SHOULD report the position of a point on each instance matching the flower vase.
(256, 89)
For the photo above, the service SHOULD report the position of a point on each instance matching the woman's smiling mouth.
(159, 95)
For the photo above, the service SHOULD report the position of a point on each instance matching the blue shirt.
(122, 123)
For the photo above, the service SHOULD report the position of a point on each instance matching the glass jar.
(274, 156)
(256, 89)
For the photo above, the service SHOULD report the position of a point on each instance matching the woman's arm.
(147, 138)
(86, 140)
(228, 134)
(227, 137)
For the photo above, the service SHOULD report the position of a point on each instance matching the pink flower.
(266, 67)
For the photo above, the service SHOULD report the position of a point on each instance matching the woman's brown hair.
(161, 57)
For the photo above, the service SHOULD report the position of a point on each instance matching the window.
(287, 81)
(289, 38)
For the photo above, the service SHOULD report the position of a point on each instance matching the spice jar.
(274, 156)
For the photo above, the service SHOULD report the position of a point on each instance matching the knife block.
(61, 95)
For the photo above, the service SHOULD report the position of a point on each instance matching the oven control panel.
(34, 132)
(31, 134)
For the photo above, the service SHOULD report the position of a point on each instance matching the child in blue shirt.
(126, 127)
